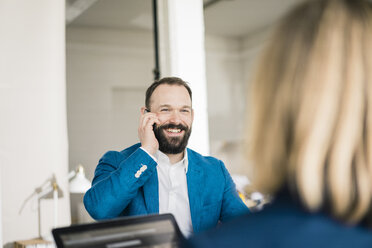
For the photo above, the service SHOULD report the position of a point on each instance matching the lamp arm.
(45, 191)
(71, 175)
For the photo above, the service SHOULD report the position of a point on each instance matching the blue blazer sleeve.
(212, 193)
(115, 182)
(232, 204)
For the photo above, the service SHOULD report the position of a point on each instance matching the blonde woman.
(310, 138)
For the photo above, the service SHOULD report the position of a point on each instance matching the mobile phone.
(148, 111)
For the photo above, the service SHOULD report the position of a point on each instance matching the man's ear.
(144, 110)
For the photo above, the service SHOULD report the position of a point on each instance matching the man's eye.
(185, 110)
(164, 110)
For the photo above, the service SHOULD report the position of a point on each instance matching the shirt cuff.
(149, 154)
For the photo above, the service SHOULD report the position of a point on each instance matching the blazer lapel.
(151, 194)
(195, 184)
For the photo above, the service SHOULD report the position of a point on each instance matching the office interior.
(72, 80)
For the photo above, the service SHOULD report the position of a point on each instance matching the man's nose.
(175, 117)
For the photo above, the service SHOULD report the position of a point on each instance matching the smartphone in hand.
(154, 125)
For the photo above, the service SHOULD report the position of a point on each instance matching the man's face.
(172, 105)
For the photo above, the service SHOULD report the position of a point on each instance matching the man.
(161, 175)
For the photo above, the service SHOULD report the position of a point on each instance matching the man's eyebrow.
(169, 106)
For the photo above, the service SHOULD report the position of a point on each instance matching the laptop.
(152, 231)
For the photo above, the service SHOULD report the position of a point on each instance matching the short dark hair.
(166, 80)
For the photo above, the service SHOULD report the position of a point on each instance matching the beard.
(171, 145)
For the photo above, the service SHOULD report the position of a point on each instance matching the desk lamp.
(79, 184)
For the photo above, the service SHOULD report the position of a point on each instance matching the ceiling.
(243, 17)
(231, 18)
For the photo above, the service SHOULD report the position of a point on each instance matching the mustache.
(172, 126)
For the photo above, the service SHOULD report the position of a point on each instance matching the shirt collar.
(162, 158)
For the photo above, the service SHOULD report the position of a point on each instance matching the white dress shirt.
(173, 194)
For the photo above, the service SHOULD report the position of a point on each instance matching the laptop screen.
(158, 231)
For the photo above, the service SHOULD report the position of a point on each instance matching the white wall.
(224, 80)
(1, 211)
(33, 128)
(108, 72)
(230, 63)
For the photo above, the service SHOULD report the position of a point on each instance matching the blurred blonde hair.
(311, 110)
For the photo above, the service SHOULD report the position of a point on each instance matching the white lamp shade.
(79, 184)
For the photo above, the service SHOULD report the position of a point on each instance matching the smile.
(173, 130)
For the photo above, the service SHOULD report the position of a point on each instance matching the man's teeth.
(174, 130)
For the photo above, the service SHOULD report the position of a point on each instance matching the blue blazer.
(120, 189)
(284, 224)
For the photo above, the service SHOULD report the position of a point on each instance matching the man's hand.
(146, 132)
